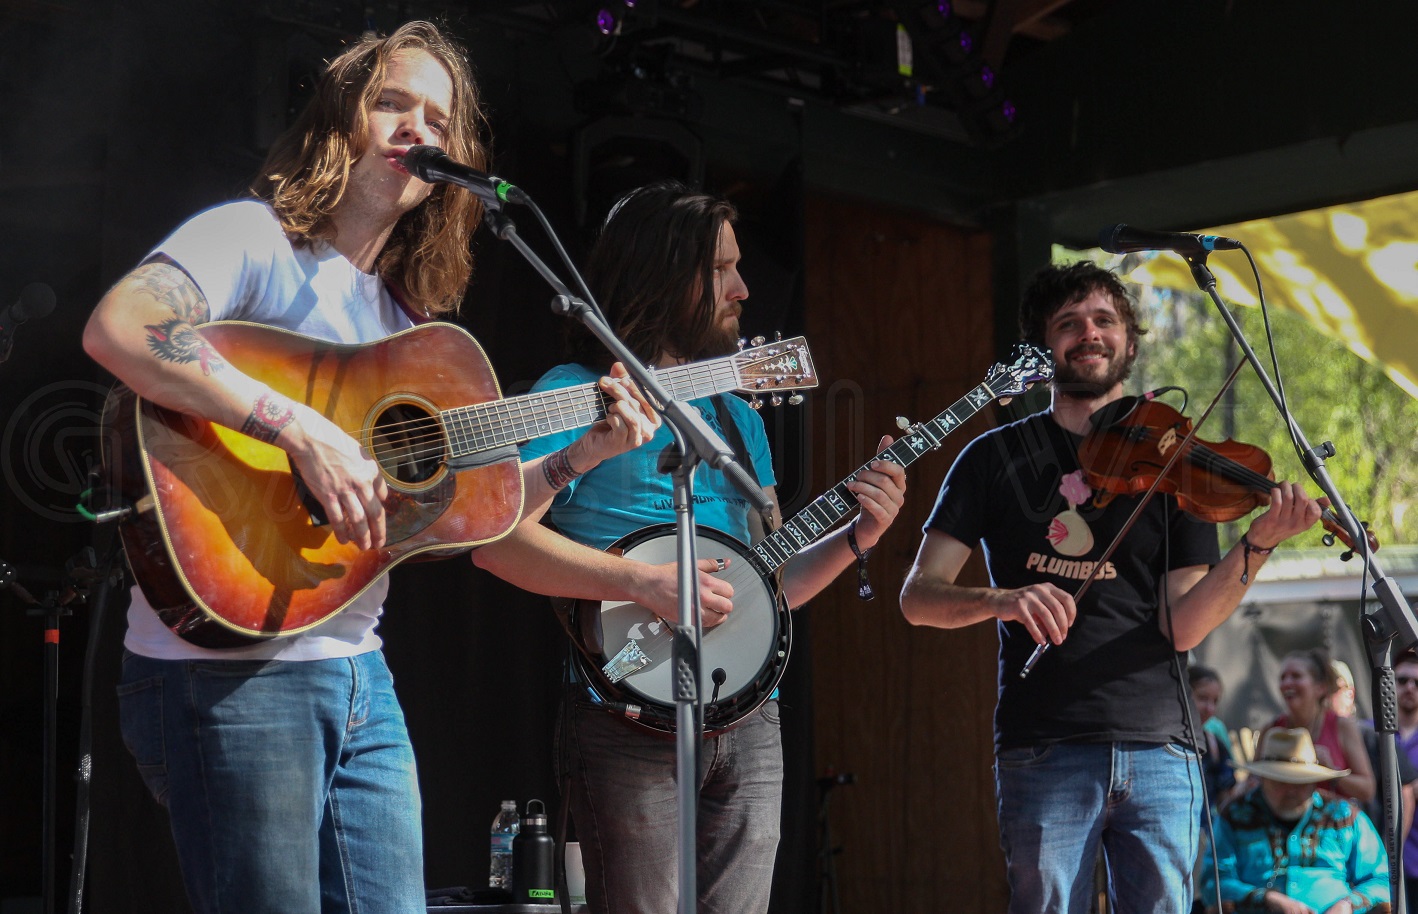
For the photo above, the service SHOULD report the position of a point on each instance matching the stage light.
(977, 80)
(606, 22)
(999, 119)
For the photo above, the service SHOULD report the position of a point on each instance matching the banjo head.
(748, 650)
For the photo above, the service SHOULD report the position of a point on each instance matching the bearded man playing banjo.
(666, 271)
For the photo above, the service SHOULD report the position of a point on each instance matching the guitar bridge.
(630, 659)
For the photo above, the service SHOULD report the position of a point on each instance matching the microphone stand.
(694, 441)
(1387, 625)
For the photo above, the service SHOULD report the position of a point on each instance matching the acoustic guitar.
(229, 547)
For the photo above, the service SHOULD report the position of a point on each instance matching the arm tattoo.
(269, 414)
(176, 340)
(167, 282)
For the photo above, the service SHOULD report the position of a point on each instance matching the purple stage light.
(605, 21)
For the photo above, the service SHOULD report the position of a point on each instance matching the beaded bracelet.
(864, 591)
(1249, 548)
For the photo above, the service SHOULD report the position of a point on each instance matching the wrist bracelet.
(1249, 548)
(557, 469)
(864, 591)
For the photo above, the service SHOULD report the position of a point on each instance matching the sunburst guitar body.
(229, 548)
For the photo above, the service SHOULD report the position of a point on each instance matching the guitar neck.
(497, 423)
(816, 520)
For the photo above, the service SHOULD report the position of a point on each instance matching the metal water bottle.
(534, 859)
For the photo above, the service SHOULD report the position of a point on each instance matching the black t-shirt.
(1019, 491)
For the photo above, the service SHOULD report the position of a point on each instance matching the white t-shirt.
(240, 259)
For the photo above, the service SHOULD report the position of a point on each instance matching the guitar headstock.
(1030, 366)
(772, 368)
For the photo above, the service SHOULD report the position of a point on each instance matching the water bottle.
(504, 829)
(534, 859)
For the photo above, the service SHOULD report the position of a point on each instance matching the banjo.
(624, 651)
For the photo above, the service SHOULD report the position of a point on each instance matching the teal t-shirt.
(628, 492)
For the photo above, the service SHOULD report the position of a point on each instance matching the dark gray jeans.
(626, 813)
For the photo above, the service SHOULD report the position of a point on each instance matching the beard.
(1080, 385)
(719, 339)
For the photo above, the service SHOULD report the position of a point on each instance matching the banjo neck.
(818, 518)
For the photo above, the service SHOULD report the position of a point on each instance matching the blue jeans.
(290, 786)
(1058, 803)
(624, 801)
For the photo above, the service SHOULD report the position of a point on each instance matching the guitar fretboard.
(816, 520)
(485, 426)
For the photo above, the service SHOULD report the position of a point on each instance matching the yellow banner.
(1351, 270)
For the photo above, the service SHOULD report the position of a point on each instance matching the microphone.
(1124, 239)
(431, 164)
(36, 300)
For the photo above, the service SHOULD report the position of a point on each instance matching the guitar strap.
(759, 525)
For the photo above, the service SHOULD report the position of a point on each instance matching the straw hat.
(1288, 756)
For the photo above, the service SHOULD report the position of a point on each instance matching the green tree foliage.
(1333, 394)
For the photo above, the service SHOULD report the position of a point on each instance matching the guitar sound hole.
(408, 443)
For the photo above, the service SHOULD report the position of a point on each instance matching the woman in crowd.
(1306, 681)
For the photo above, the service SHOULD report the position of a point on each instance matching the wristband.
(558, 470)
(864, 591)
(1249, 548)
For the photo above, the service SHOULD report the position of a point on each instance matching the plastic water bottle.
(504, 829)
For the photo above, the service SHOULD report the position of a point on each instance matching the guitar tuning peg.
(903, 423)
(795, 399)
(754, 402)
(777, 336)
(757, 341)
(776, 400)
(742, 343)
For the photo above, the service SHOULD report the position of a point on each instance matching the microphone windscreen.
(418, 158)
(36, 300)
(1108, 237)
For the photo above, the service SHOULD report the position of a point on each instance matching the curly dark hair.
(652, 271)
(1056, 286)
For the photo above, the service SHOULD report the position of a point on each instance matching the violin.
(1132, 441)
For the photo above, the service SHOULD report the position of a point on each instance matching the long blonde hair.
(427, 257)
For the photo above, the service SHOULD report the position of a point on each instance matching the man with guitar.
(285, 764)
(666, 270)
(1093, 746)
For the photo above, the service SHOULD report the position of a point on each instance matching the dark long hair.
(307, 170)
(652, 271)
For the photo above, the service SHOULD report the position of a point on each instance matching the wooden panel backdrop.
(900, 315)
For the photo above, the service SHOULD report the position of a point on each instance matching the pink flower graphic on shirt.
(1069, 532)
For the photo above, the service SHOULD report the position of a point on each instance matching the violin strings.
(1222, 465)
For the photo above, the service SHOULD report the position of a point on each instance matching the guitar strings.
(423, 437)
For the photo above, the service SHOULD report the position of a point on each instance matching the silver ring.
(721, 564)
